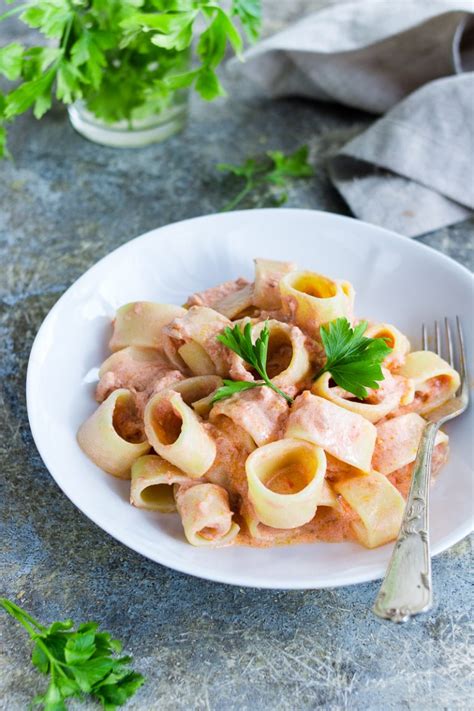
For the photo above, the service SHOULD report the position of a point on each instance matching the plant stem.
(278, 391)
(14, 11)
(24, 618)
(66, 34)
(267, 381)
(250, 184)
(19, 614)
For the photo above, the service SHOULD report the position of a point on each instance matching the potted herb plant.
(124, 67)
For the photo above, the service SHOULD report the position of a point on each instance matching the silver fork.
(407, 589)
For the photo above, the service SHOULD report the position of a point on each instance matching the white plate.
(397, 280)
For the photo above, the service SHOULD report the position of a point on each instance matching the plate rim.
(376, 571)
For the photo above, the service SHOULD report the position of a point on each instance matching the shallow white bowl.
(397, 280)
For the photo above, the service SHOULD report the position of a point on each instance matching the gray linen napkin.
(412, 170)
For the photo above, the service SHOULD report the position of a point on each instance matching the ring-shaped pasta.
(177, 434)
(260, 412)
(268, 274)
(140, 323)
(312, 299)
(196, 359)
(345, 435)
(434, 380)
(378, 504)
(136, 354)
(288, 362)
(152, 484)
(285, 480)
(373, 412)
(395, 339)
(236, 304)
(99, 436)
(260, 532)
(198, 392)
(133, 368)
(198, 329)
(397, 442)
(206, 515)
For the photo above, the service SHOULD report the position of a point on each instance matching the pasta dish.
(266, 413)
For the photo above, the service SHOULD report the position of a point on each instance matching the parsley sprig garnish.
(78, 661)
(254, 354)
(274, 170)
(353, 360)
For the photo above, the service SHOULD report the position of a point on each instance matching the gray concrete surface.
(65, 203)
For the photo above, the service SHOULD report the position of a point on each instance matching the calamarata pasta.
(265, 412)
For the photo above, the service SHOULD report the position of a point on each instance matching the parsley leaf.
(353, 360)
(11, 60)
(250, 15)
(255, 354)
(275, 170)
(78, 661)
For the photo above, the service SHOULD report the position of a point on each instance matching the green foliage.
(353, 360)
(275, 170)
(123, 58)
(78, 662)
(11, 60)
(250, 14)
(255, 354)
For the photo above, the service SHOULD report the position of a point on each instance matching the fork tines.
(461, 367)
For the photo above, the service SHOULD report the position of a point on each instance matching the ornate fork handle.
(406, 589)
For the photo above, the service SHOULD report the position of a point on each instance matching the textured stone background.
(64, 203)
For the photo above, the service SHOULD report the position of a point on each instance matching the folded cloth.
(411, 171)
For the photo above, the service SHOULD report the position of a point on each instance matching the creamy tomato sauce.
(331, 525)
(211, 297)
(346, 442)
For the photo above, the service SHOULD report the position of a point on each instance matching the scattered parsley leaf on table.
(78, 661)
(255, 354)
(353, 360)
(274, 169)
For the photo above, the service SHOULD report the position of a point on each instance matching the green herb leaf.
(231, 387)
(87, 53)
(69, 83)
(25, 95)
(80, 647)
(181, 81)
(118, 690)
(49, 16)
(274, 169)
(91, 672)
(39, 659)
(353, 360)
(246, 170)
(11, 60)
(294, 165)
(255, 354)
(208, 85)
(250, 15)
(79, 661)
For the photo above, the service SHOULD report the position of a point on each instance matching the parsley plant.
(275, 170)
(78, 662)
(124, 59)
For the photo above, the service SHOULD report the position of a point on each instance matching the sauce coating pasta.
(293, 458)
